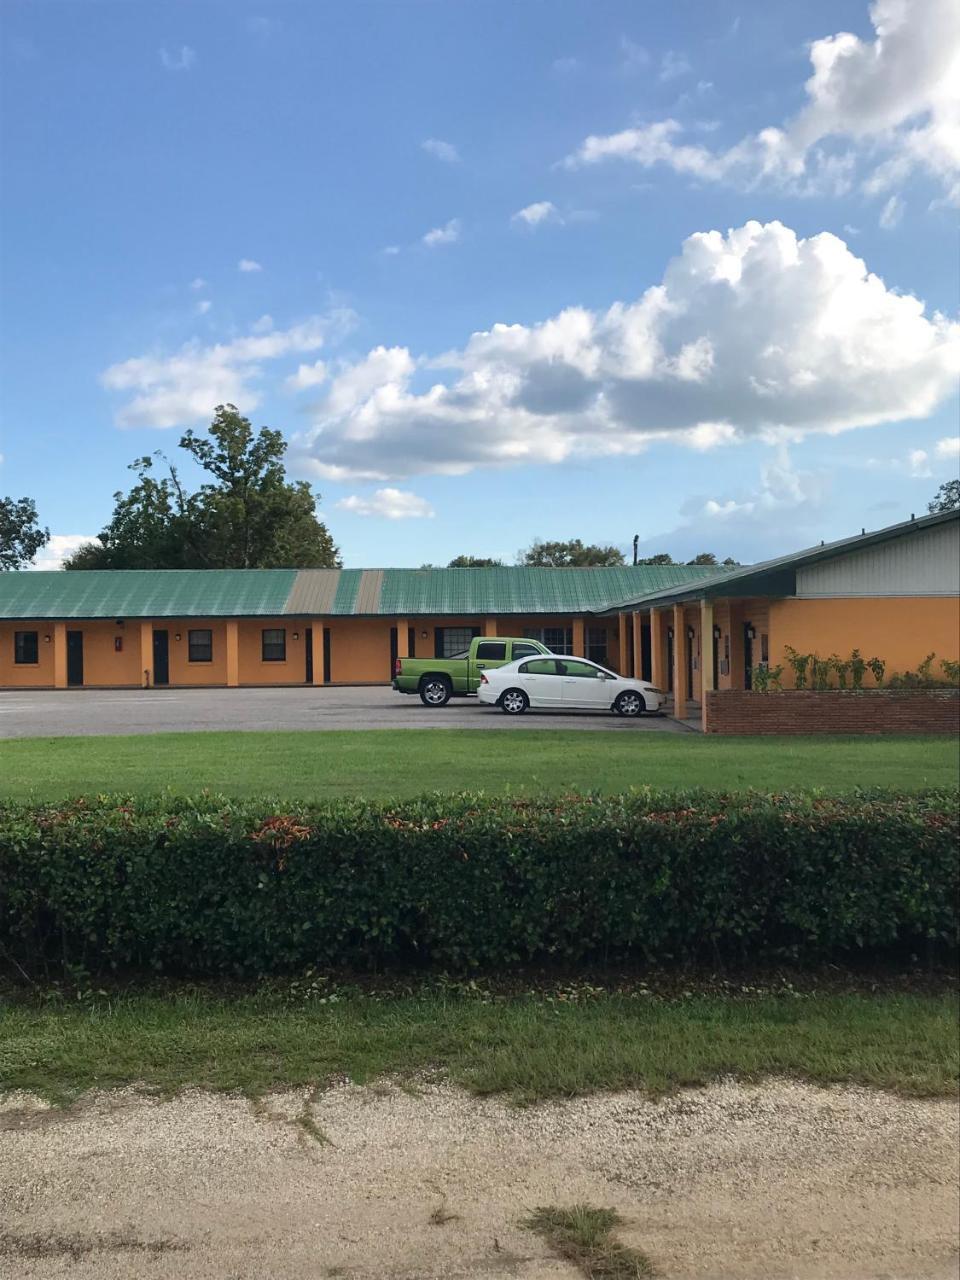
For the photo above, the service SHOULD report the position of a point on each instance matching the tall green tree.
(572, 554)
(20, 535)
(947, 498)
(248, 515)
(705, 557)
(662, 557)
(474, 562)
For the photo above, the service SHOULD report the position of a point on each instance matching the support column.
(146, 654)
(59, 655)
(708, 676)
(622, 662)
(403, 637)
(233, 653)
(316, 644)
(680, 643)
(658, 673)
(579, 638)
(489, 626)
(637, 647)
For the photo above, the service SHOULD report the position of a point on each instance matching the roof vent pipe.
(636, 542)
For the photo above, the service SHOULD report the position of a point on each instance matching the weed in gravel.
(583, 1235)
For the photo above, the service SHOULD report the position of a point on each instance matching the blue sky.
(311, 207)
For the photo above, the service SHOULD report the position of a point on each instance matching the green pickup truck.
(437, 680)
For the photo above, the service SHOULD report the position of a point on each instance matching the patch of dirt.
(774, 1182)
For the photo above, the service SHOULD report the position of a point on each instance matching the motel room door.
(74, 658)
(748, 634)
(161, 657)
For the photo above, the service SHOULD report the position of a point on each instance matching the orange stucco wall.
(103, 665)
(901, 630)
(182, 671)
(26, 677)
(253, 670)
(360, 650)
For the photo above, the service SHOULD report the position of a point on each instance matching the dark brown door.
(308, 646)
(74, 658)
(748, 655)
(161, 657)
(669, 659)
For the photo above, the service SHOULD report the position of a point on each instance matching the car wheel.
(630, 704)
(514, 702)
(435, 691)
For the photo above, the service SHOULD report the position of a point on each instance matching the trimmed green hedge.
(210, 886)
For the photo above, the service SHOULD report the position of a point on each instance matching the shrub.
(216, 887)
(799, 662)
(766, 677)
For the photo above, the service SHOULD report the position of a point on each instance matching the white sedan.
(565, 684)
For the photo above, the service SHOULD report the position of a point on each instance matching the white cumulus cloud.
(181, 59)
(308, 375)
(248, 265)
(752, 333)
(891, 213)
(59, 547)
(673, 65)
(441, 150)
(198, 283)
(449, 233)
(533, 214)
(893, 102)
(392, 504)
(183, 388)
(948, 447)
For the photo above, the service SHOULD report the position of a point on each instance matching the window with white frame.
(454, 640)
(597, 644)
(556, 639)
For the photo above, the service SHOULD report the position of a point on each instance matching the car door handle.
(481, 666)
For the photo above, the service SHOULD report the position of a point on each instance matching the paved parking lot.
(82, 712)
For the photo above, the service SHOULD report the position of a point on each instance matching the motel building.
(692, 630)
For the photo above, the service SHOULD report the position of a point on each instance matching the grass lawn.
(397, 763)
(530, 1046)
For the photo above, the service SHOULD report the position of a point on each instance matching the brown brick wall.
(736, 711)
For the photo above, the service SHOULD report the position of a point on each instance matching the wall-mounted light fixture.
(751, 633)
(716, 633)
(118, 644)
(690, 633)
(46, 639)
(119, 622)
(423, 635)
(296, 635)
(176, 635)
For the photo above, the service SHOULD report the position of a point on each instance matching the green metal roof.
(521, 590)
(145, 593)
(133, 593)
(777, 577)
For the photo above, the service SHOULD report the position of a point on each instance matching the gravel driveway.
(764, 1183)
(80, 712)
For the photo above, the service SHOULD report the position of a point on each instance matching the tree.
(474, 562)
(705, 557)
(730, 563)
(20, 535)
(662, 557)
(947, 498)
(573, 554)
(248, 516)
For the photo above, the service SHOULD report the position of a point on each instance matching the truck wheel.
(514, 702)
(435, 691)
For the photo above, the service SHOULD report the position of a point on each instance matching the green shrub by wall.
(211, 886)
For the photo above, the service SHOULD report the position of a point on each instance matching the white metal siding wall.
(917, 564)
